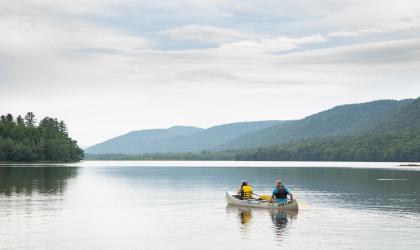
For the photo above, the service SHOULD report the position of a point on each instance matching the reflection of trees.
(25, 180)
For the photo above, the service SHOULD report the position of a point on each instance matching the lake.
(181, 205)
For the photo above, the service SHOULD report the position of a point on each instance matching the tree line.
(204, 155)
(22, 139)
(401, 146)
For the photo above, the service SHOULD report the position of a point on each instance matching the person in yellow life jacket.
(245, 191)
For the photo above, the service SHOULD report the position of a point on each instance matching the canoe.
(231, 200)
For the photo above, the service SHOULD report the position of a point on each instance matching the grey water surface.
(115, 206)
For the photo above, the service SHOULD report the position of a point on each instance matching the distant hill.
(142, 141)
(176, 139)
(395, 137)
(406, 117)
(383, 130)
(341, 120)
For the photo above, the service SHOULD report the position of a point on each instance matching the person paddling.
(280, 193)
(245, 191)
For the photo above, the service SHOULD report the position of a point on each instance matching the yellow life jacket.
(246, 192)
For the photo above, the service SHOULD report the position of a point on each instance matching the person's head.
(278, 183)
(244, 183)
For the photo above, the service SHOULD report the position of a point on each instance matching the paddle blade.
(265, 197)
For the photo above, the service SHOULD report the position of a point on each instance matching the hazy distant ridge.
(177, 139)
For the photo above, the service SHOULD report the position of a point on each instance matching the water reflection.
(127, 208)
(26, 180)
(381, 189)
(279, 219)
(246, 216)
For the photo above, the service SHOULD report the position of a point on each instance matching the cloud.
(272, 45)
(201, 62)
(231, 40)
(404, 24)
(45, 35)
(396, 52)
(343, 34)
(206, 34)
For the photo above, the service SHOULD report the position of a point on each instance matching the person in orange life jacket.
(280, 193)
(245, 191)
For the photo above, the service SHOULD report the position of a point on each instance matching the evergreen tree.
(24, 140)
(30, 119)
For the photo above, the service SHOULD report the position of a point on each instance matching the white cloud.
(44, 35)
(405, 24)
(107, 62)
(394, 52)
(206, 34)
(272, 45)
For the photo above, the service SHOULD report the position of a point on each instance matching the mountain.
(341, 120)
(176, 139)
(383, 130)
(395, 138)
(147, 141)
(217, 135)
(406, 118)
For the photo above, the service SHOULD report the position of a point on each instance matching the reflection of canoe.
(291, 205)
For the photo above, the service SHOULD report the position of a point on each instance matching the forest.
(22, 139)
(402, 146)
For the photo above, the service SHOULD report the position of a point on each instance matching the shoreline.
(221, 164)
(410, 165)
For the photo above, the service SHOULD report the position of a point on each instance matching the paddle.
(264, 196)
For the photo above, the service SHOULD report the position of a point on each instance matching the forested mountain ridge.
(384, 130)
(377, 131)
(23, 140)
(402, 146)
(405, 118)
(396, 138)
(165, 140)
(342, 120)
(217, 135)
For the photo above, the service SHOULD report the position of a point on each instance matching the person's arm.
(273, 197)
(289, 193)
(240, 190)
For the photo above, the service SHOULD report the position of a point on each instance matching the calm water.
(116, 206)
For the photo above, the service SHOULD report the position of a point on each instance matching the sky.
(107, 67)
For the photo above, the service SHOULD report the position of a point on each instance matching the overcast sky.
(110, 66)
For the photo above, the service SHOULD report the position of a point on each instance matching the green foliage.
(22, 140)
(342, 120)
(395, 137)
(376, 131)
(204, 155)
(402, 146)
